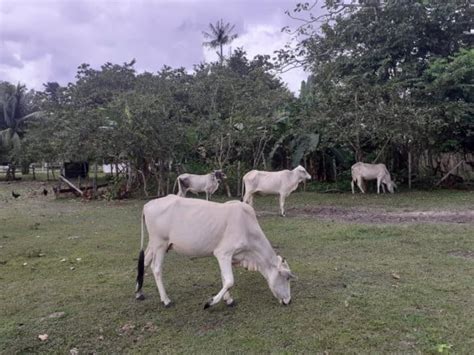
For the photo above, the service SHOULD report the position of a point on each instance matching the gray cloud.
(45, 40)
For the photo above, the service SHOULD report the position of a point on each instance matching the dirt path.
(367, 215)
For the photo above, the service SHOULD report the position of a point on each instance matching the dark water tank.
(74, 170)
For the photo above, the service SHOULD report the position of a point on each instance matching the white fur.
(198, 228)
(363, 171)
(280, 183)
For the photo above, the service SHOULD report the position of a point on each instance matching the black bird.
(15, 195)
(45, 192)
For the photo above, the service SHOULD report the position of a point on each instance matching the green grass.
(346, 299)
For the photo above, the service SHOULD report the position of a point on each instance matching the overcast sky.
(46, 40)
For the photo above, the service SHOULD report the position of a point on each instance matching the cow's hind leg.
(229, 301)
(225, 264)
(282, 205)
(248, 198)
(157, 268)
(360, 185)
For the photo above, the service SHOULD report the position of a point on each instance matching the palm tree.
(15, 111)
(219, 35)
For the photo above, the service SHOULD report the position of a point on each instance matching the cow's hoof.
(140, 297)
(169, 304)
(232, 304)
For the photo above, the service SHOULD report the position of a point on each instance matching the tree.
(219, 35)
(17, 107)
(368, 61)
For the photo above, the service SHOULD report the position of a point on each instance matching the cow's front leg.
(282, 205)
(383, 187)
(378, 186)
(225, 264)
(157, 268)
(360, 185)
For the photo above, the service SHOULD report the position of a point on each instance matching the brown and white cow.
(198, 228)
(364, 171)
(208, 183)
(280, 183)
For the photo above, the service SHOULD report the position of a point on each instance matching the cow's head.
(391, 186)
(219, 174)
(302, 173)
(279, 281)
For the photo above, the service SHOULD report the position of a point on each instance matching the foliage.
(386, 77)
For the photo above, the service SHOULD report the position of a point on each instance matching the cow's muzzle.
(285, 303)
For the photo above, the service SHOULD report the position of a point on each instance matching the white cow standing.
(364, 171)
(198, 228)
(280, 183)
(208, 183)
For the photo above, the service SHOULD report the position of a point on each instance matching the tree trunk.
(144, 182)
(238, 178)
(33, 170)
(170, 166)
(334, 171)
(409, 167)
(324, 167)
(94, 181)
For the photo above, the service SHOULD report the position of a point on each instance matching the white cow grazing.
(198, 228)
(208, 183)
(280, 183)
(363, 171)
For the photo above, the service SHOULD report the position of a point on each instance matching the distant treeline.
(391, 81)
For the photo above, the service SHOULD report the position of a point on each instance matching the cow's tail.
(141, 260)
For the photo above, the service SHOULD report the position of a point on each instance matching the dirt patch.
(466, 254)
(364, 215)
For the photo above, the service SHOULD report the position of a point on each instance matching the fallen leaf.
(74, 351)
(72, 268)
(396, 276)
(24, 264)
(78, 259)
(63, 260)
(346, 303)
(56, 315)
(127, 327)
(43, 337)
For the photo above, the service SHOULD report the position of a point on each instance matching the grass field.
(366, 283)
